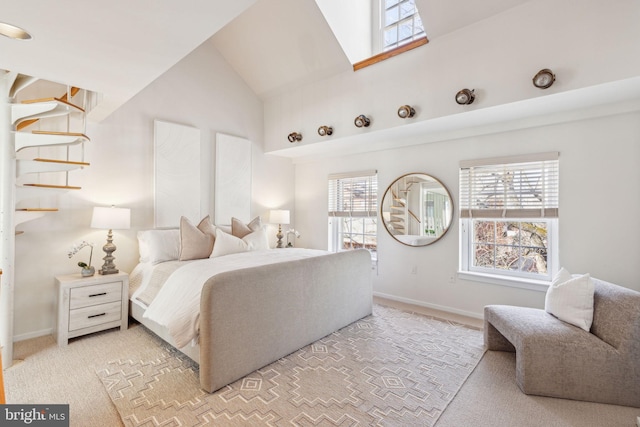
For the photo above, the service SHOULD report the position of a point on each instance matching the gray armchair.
(556, 359)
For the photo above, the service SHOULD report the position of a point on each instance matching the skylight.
(402, 23)
(366, 28)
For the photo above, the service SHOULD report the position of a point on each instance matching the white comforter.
(177, 305)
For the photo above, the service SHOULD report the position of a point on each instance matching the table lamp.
(112, 219)
(279, 217)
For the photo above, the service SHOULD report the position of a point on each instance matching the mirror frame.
(430, 177)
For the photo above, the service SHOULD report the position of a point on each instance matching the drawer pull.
(97, 295)
(96, 315)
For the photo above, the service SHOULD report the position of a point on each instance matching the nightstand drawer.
(91, 304)
(94, 315)
(95, 294)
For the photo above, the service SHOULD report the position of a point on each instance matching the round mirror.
(416, 209)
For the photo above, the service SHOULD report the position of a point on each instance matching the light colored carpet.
(46, 373)
(390, 369)
(489, 397)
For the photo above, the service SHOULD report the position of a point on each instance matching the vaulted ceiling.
(118, 47)
(114, 47)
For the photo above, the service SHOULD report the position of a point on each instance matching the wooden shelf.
(66, 187)
(65, 162)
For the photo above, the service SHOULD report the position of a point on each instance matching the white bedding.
(177, 304)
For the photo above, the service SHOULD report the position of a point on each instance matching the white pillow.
(225, 228)
(227, 244)
(157, 246)
(257, 240)
(570, 299)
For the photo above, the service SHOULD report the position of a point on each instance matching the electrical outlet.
(414, 269)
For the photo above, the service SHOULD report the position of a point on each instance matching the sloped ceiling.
(118, 47)
(277, 44)
(114, 47)
(441, 17)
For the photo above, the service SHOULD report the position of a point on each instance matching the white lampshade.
(279, 216)
(111, 218)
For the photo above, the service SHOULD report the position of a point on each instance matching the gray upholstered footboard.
(252, 317)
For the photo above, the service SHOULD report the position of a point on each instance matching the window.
(519, 246)
(353, 201)
(374, 30)
(401, 23)
(509, 215)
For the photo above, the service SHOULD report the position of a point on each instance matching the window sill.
(512, 282)
(390, 53)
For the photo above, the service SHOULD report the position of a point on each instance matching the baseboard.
(428, 305)
(35, 334)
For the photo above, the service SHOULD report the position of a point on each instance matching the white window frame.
(379, 17)
(337, 213)
(541, 208)
(507, 277)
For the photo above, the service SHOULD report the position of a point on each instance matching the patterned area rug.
(393, 368)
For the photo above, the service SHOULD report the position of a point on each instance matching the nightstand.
(91, 304)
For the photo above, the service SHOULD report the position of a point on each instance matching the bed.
(238, 310)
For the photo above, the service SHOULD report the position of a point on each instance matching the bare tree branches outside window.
(510, 245)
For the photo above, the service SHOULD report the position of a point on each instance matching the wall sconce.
(294, 137)
(406, 112)
(362, 121)
(465, 97)
(544, 79)
(325, 130)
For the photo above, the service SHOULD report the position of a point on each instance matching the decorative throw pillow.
(570, 299)
(225, 228)
(157, 246)
(240, 229)
(196, 242)
(257, 240)
(227, 244)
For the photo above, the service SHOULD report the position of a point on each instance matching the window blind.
(510, 187)
(353, 194)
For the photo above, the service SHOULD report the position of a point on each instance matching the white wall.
(586, 43)
(201, 91)
(497, 56)
(351, 22)
(599, 205)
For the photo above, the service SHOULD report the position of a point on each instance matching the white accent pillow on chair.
(570, 299)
